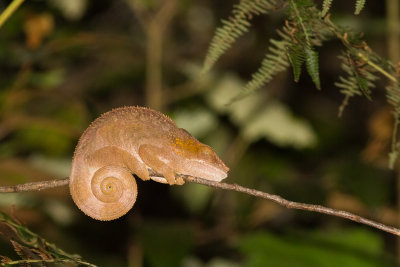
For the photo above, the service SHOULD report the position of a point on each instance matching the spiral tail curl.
(111, 193)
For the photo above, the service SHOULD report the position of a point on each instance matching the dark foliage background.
(62, 63)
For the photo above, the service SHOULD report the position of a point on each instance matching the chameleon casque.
(131, 140)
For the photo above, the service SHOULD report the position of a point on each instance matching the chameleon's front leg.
(160, 160)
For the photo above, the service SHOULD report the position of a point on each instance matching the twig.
(296, 205)
(36, 186)
(155, 26)
(376, 67)
(9, 10)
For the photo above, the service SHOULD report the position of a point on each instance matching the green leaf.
(296, 58)
(359, 80)
(234, 27)
(326, 5)
(274, 62)
(275, 122)
(359, 6)
(312, 66)
(363, 84)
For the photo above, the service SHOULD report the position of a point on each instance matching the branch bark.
(37, 186)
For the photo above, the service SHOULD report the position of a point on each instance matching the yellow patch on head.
(186, 146)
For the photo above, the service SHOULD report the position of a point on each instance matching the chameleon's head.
(199, 160)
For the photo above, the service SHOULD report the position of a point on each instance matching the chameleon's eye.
(207, 152)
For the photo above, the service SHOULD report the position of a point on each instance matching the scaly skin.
(131, 140)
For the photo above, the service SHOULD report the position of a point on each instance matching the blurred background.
(64, 62)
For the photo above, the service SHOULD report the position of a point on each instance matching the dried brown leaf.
(4, 259)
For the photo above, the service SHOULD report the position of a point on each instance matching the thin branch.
(376, 67)
(155, 30)
(296, 205)
(36, 186)
(9, 11)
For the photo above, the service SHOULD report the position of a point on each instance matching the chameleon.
(133, 140)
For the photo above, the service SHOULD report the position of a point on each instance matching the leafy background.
(62, 63)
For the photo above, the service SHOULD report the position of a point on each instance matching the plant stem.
(9, 11)
(303, 27)
(155, 30)
(393, 46)
(393, 30)
(376, 67)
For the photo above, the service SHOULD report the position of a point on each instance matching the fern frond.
(235, 26)
(393, 96)
(359, 6)
(312, 66)
(274, 62)
(359, 80)
(298, 38)
(326, 5)
(302, 14)
(297, 9)
(296, 58)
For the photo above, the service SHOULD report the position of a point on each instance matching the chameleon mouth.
(221, 175)
(208, 171)
(197, 168)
